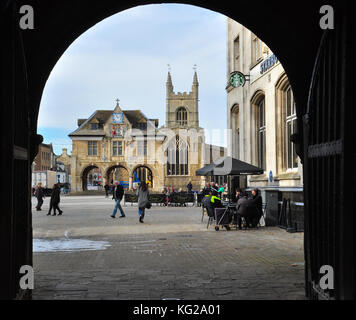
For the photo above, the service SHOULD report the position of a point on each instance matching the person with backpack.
(142, 202)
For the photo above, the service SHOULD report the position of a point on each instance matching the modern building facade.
(262, 113)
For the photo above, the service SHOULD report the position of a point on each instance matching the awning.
(228, 166)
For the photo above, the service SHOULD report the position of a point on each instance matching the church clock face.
(118, 117)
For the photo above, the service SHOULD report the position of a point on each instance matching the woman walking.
(142, 194)
(55, 199)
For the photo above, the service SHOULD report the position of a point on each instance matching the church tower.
(182, 108)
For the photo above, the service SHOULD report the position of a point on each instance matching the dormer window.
(94, 126)
(142, 125)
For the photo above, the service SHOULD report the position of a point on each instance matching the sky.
(126, 57)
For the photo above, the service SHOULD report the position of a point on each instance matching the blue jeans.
(141, 212)
(118, 206)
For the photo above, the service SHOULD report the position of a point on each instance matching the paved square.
(85, 254)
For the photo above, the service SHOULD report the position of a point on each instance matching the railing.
(175, 198)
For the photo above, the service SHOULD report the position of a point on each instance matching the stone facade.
(261, 114)
(127, 146)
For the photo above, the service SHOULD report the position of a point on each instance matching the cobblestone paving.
(171, 255)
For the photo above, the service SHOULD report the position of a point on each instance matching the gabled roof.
(135, 117)
(101, 116)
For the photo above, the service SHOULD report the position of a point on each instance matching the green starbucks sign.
(237, 79)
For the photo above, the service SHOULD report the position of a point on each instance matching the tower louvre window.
(182, 118)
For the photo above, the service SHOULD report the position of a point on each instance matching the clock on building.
(118, 117)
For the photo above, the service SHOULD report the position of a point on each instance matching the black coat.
(118, 192)
(256, 202)
(39, 193)
(55, 196)
(242, 207)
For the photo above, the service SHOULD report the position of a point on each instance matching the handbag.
(148, 205)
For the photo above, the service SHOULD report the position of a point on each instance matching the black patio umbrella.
(228, 166)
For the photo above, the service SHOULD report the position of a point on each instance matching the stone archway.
(143, 173)
(94, 179)
(25, 72)
(117, 173)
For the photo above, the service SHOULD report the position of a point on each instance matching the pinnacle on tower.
(195, 78)
(169, 85)
(169, 79)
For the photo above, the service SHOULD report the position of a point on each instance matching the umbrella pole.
(229, 187)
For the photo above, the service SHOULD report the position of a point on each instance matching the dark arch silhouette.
(143, 173)
(84, 176)
(292, 32)
(110, 170)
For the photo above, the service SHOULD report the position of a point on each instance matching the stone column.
(130, 183)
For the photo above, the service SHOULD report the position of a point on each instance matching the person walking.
(106, 187)
(118, 194)
(39, 194)
(54, 202)
(142, 193)
(189, 187)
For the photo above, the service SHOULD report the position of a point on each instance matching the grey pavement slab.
(171, 255)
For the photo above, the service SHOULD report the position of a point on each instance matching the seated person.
(207, 204)
(242, 208)
(216, 201)
(225, 216)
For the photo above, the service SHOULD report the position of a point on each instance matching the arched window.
(181, 118)
(261, 127)
(235, 126)
(286, 125)
(291, 127)
(177, 157)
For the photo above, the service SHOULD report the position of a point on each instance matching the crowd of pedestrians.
(247, 208)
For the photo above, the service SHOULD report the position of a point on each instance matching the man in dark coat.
(256, 207)
(189, 187)
(206, 189)
(39, 194)
(106, 187)
(54, 202)
(214, 189)
(118, 194)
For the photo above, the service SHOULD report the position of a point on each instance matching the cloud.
(126, 57)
